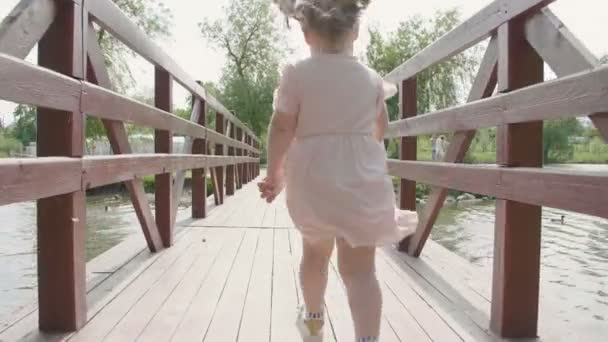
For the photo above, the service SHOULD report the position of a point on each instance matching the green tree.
(439, 86)
(24, 126)
(253, 48)
(604, 59)
(557, 136)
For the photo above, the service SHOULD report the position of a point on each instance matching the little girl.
(325, 145)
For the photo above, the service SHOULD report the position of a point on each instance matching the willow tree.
(253, 47)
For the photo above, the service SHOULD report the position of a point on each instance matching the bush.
(9, 145)
(149, 185)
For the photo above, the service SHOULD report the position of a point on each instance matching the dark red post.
(62, 219)
(240, 153)
(219, 150)
(408, 149)
(515, 289)
(163, 143)
(199, 176)
(230, 177)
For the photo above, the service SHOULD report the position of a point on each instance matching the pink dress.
(337, 184)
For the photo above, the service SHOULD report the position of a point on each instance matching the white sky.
(586, 18)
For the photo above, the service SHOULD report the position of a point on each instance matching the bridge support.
(62, 219)
(515, 290)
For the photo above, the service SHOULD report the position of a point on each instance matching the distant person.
(439, 148)
(325, 146)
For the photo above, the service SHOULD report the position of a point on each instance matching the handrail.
(524, 34)
(111, 18)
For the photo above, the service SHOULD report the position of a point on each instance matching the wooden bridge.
(227, 271)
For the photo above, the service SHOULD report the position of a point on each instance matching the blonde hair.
(331, 19)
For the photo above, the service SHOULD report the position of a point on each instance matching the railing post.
(230, 178)
(240, 153)
(61, 219)
(219, 150)
(249, 154)
(199, 176)
(515, 290)
(408, 106)
(163, 143)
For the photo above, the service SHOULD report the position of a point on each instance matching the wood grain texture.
(573, 96)
(25, 25)
(472, 31)
(408, 106)
(219, 151)
(483, 86)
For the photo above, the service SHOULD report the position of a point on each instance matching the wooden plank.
(28, 179)
(25, 25)
(480, 26)
(139, 316)
(25, 83)
(239, 152)
(105, 104)
(119, 141)
(230, 172)
(199, 176)
(226, 320)
(111, 18)
(257, 308)
(166, 319)
(219, 150)
(408, 106)
(515, 289)
(163, 143)
(577, 95)
(195, 322)
(61, 220)
(582, 192)
(284, 293)
(125, 298)
(483, 86)
(563, 52)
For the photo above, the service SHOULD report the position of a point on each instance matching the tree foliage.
(604, 59)
(24, 126)
(439, 86)
(253, 47)
(557, 135)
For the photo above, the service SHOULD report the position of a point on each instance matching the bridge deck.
(233, 277)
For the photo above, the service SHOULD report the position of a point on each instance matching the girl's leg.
(358, 271)
(313, 275)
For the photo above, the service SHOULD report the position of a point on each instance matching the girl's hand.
(271, 187)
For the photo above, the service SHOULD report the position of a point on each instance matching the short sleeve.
(285, 96)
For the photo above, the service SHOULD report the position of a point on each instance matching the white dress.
(337, 182)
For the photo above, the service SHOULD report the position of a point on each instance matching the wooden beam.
(479, 27)
(239, 152)
(572, 96)
(61, 219)
(483, 87)
(408, 106)
(199, 175)
(563, 52)
(219, 150)
(110, 17)
(119, 142)
(163, 143)
(582, 192)
(25, 25)
(516, 272)
(230, 173)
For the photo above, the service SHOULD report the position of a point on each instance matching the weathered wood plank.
(230, 173)
(61, 220)
(27, 179)
(408, 106)
(163, 143)
(25, 25)
(582, 192)
(119, 141)
(196, 320)
(111, 18)
(219, 150)
(483, 86)
(199, 176)
(472, 31)
(563, 52)
(517, 233)
(573, 96)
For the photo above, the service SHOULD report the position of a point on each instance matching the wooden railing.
(72, 82)
(523, 34)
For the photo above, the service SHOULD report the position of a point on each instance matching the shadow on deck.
(233, 277)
